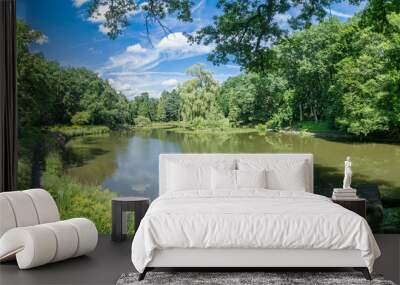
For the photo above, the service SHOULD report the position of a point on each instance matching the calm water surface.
(127, 163)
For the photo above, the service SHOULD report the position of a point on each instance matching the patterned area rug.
(243, 278)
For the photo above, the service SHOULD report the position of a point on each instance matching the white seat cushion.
(37, 245)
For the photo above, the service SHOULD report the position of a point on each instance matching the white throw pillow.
(188, 177)
(282, 174)
(193, 174)
(251, 179)
(223, 179)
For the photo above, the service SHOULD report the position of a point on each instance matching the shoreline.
(70, 132)
(332, 134)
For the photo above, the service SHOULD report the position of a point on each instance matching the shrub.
(142, 122)
(197, 123)
(81, 118)
(275, 123)
(223, 124)
(314, 126)
(75, 131)
(261, 128)
(76, 200)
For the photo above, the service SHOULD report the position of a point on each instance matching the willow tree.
(198, 95)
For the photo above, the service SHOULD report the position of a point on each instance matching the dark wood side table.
(358, 205)
(120, 206)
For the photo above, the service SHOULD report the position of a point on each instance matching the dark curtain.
(8, 97)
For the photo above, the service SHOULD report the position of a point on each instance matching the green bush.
(76, 200)
(142, 122)
(314, 126)
(261, 128)
(197, 123)
(223, 124)
(276, 122)
(75, 131)
(81, 118)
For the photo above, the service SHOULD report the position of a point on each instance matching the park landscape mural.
(105, 86)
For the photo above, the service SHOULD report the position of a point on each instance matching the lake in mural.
(127, 162)
(101, 97)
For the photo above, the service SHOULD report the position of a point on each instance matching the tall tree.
(307, 59)
(198, 95)
(367, 82)
(169, 106)
(245, 30)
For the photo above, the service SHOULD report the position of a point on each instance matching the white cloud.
(79, 3)
(130, 71)
(171, 47)
(178, 42)
(170, 82)
(99, 16)
(232, 66)
(338, 14)
(103, 29)
(42, 40)
(136, 48)
(150, 82)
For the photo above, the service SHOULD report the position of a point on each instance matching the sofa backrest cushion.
(26, 208)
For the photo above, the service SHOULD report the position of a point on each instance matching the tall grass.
(74, 131)
(77, 200)
(311, 126)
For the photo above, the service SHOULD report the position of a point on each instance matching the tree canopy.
(346, 75)
(155, 11)
(50, 94)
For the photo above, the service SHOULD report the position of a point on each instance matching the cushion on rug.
(244, 278)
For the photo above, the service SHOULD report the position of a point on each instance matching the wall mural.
(103, 90)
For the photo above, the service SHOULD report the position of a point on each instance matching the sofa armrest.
(40, 244)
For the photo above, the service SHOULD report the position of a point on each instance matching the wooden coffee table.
(120, 206)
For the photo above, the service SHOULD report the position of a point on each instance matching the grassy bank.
(77, 200)
(187, 128)
(307, 127)
(74, 130)
(310, 126)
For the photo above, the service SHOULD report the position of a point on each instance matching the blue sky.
(131, 63)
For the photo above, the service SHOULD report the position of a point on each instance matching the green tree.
(307, 59)
(376, 14)
(49, 94)
(367, 82)
(253, 98)
(198, 95)
(170, 101)
(245, 30)
(240, 93)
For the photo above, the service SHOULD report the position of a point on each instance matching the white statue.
(347, 174)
